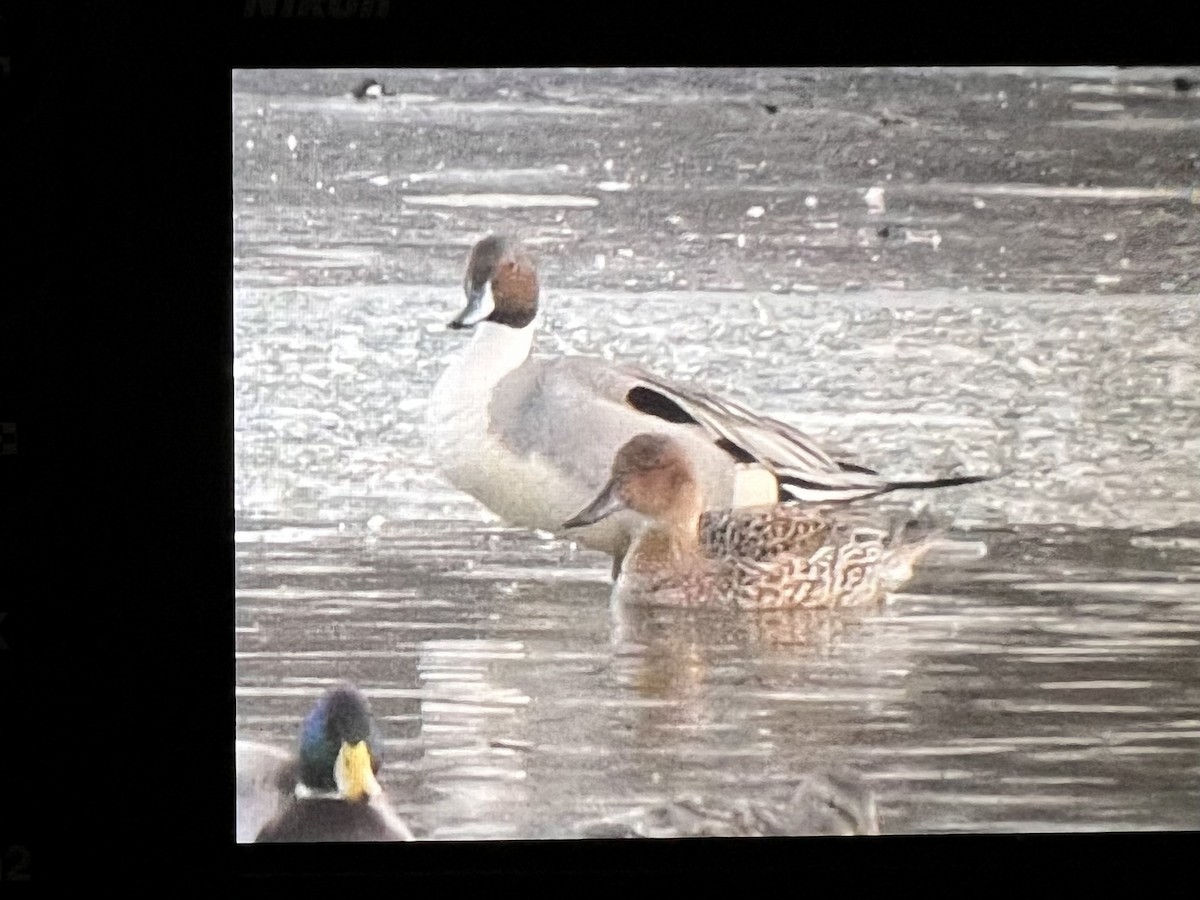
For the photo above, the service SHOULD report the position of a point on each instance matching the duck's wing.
(856, 565)
(763, 533)
(576, 412)
(805, 470)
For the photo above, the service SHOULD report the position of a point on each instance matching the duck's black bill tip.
(458, 325)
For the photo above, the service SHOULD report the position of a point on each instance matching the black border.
(117, 349)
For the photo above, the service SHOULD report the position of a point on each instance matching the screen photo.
(667, 452)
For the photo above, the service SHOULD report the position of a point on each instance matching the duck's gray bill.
(601, 508)
(480, 305)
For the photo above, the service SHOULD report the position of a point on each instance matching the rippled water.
(1022, 304)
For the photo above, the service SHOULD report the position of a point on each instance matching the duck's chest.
(523, 487)
(458, 423)
(657, 574)
(468, 450)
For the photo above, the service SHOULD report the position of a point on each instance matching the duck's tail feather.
(837, 488)
(937, 482)
(855, 468)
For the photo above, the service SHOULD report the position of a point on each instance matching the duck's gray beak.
(480, 305)
(601, 508)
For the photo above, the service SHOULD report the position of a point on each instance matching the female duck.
(334, 795)
(667, 566)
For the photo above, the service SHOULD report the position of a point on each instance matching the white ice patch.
(930, 237)
(1098, 107)
(283, 535)
(1050, 191)
(1129, 123)
(502, 201)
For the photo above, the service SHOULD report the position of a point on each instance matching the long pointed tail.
(936, 483)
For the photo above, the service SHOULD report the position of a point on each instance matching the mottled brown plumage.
(758, 534)
(779, 557)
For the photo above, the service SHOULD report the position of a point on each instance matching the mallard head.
(339, 748)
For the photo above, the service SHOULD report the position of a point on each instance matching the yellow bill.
(353, 774)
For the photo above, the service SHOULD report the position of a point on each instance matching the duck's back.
(579, 411)
(852, 567)
(763, 533)
(768, 559)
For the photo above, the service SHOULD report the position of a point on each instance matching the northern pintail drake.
(832, 564)
(533, 438)
(329, 791)
(823, 803)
